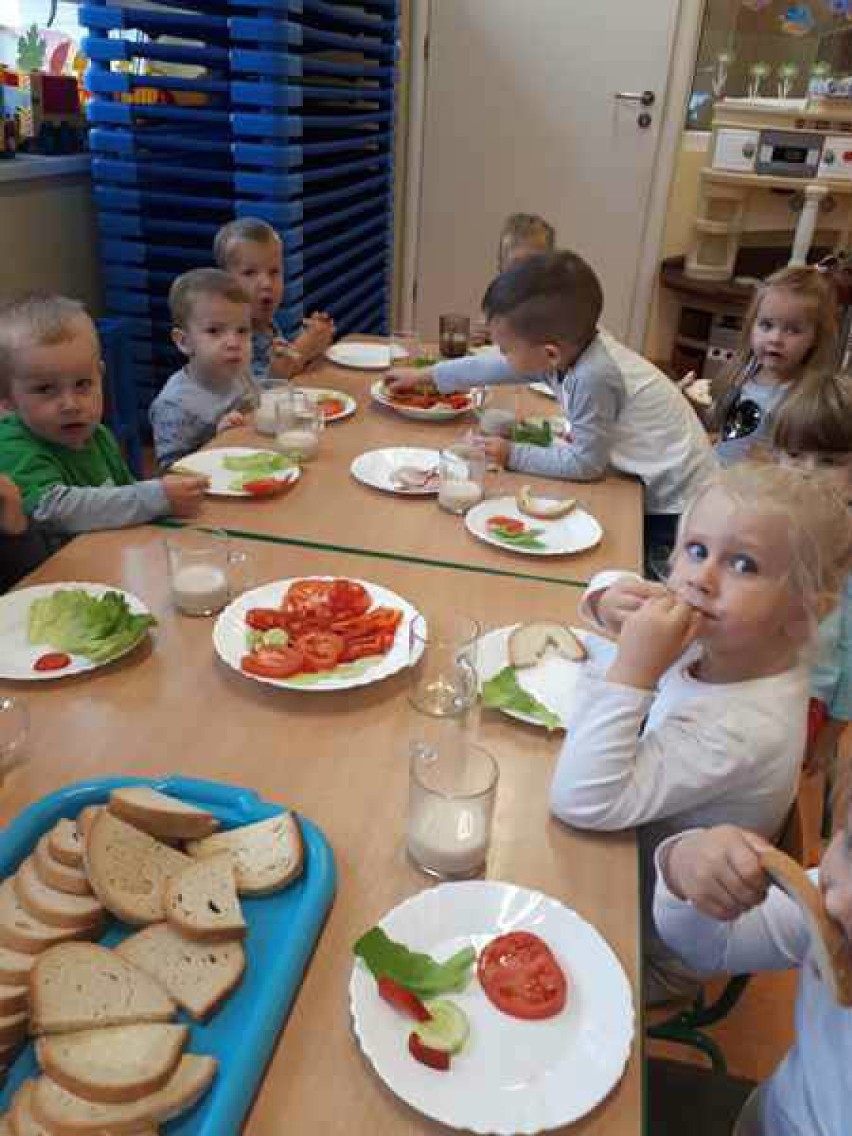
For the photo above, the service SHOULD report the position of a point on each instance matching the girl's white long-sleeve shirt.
(810, 1093)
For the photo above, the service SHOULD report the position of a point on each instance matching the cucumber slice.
(448, 1028)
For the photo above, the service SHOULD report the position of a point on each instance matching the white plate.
(364, 356)
(512, 1076)
(574, 533)
(17, 654)
(542, 388)
(422, 414)
(229, 638)
(551, 681)
(349, 403)
(375, 467)
(209, 463)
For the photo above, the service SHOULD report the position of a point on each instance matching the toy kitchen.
(780, 172)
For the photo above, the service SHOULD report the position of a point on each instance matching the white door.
(521, 115)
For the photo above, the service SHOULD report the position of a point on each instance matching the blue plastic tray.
(282, 932)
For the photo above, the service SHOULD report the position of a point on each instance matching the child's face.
(731, 565)
(835, 878)
(217, 338)
(57, 388)
(524, 357)
(259, 268)
(783, 334)
(835, 468)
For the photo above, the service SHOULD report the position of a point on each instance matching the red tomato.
(510, 524)
(426, 1055)
(52, 661)
(268, 662)
(521, 977)
(266, 487)
(331, 406)
(366, 646)
(321, 650)
(401, 998)
(379, 619)
(348, 597)
(458, 401)
(264, 618)
(308, 593)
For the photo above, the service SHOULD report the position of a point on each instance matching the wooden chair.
(687, 1026)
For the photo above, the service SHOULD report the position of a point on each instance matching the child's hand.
(719, 870)
(230, 421)
(652, 639)
(612, 606)
(497, 449)
(403, 380)
(185, 492)
(316, 336)
(13, 520)
(696, 390)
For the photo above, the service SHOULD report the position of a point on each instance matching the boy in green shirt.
(68, 466)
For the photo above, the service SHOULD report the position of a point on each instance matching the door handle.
(644, 98)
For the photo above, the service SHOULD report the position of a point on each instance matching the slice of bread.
(70, 1115)
(161, 815)
(57, 874)
(85, 820)
(266, 855)
(13, 1027)
(199, 976)
(202, 901)
(129, 870)
(65, 843)
(21, 1120)
(22, 932)
(831, 949)
(531, 642)
(15, 967)
(57, 908)
(114, 1065)
(543, 508)
(79, 986)
(13, 999)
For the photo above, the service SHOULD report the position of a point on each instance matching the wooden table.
(340, 760)
(329, 507)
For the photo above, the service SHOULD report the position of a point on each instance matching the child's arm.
(709, 905)
(177, 431)
(78, 509)
(489, 369)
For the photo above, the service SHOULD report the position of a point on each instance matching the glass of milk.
(204, 571)
(452, 791)
(461, 477)
(299, 424)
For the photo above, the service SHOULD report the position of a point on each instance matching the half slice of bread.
(79, 986)
(114, 1065)
(129, 870)
(202, 901)
(65, 843)
(57, 908)
(22, 932)
(85, 820)
(69, 1115)
(160, 815)
(56, 874)
(544, 508)
(266, 855)
(532, 642)
(199, 976)
(831, 950)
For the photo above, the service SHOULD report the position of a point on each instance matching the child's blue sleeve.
(177, 431)
(488, 369)
(840, 706)
(825, 671)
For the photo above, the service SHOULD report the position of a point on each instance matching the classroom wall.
(682, 206)
(48, 239)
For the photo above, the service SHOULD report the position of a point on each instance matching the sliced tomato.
(269, 662)
(321, 650)
(348, 597)
(401, 998)
(266, 487)
(458, 401)
(379, 619)
(264, 618)
(508, 524)
(426, 1055)
(308, 593)
(52, 661)
(366, 646)
(521, 977)
(331, 406)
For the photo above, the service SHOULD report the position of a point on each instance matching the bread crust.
(557, 507)
(160, 815)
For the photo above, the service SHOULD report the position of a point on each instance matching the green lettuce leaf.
(259, 464)
(99, 628)
(503, 692)
(416, 972)
(527, 539)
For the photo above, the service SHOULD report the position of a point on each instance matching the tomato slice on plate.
(331, 406)
(264, 618)
(52, 661)
(273, 662)
(510, 524)
(348, 597)
(403, 999)
(521, 977)
(426, 1055)
(321, 650)
(266, 486)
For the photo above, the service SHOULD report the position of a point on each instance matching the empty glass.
(443, 660)
(299, 424)
(497, 410)
(451, 796)
(205, 573)
(454, 335)
(14, 732)
(461, 477)
(406, 349)
(265, 418)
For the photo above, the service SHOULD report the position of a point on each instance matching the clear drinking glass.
(299, 424)
(461, 477)
(453, 335)
(265, 420)
(406, 347)
(451, 796)
(14, 732)
(205, 572)
(443, 665)
(497, 410)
